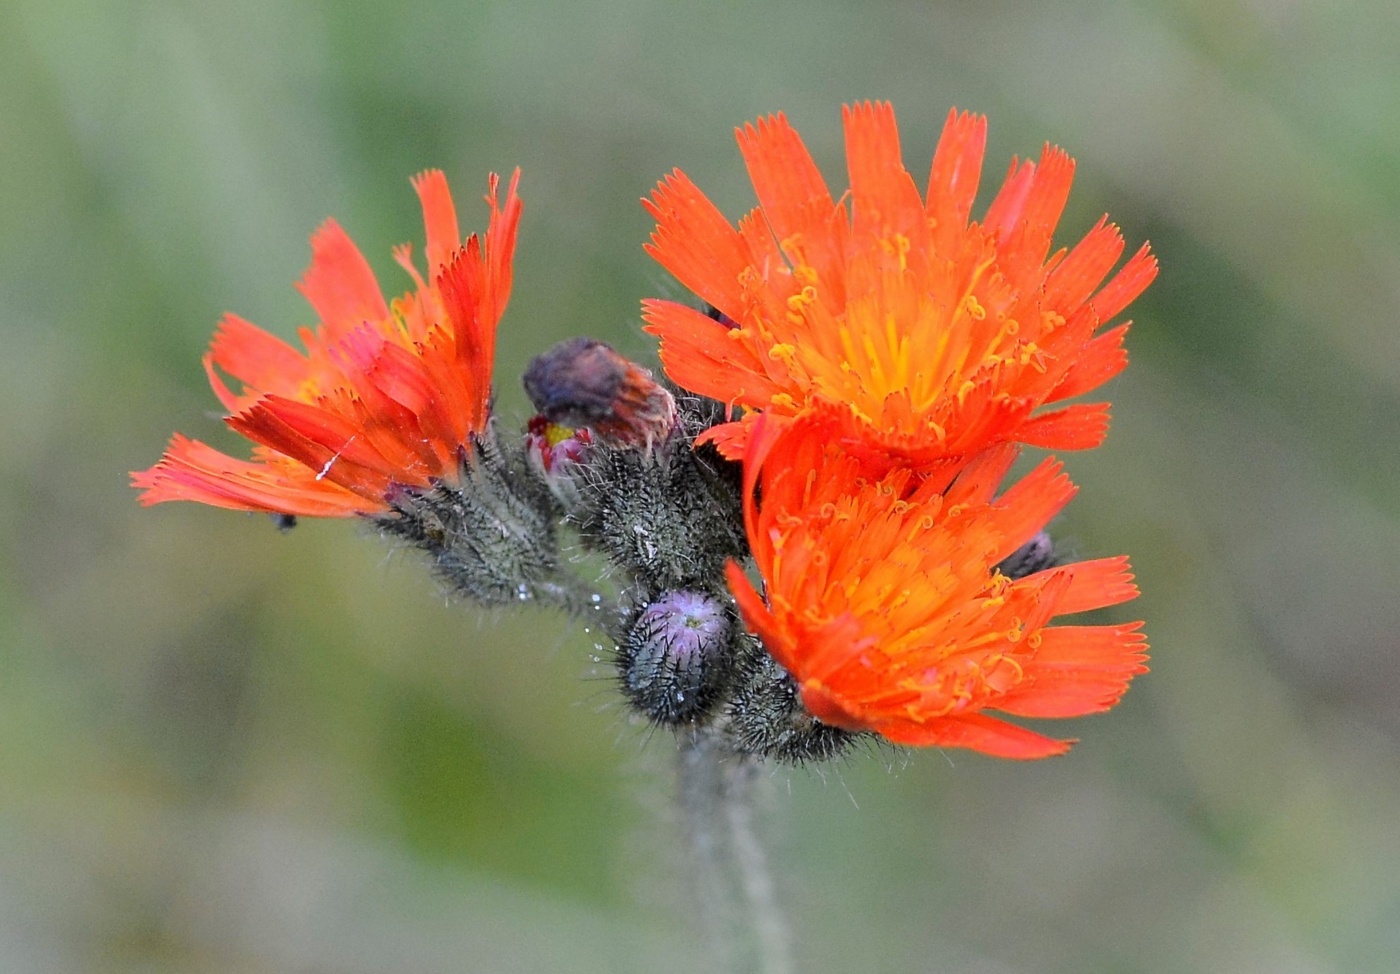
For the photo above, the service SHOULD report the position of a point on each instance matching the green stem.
(738, 909)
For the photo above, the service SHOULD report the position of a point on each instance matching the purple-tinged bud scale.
(675, 657)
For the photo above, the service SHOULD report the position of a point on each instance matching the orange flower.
(884, 604)
(920, 334)
(386, 396)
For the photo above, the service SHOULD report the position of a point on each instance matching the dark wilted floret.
(584, 383)
(676, 657)
(767, 719)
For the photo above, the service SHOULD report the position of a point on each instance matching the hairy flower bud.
(675, 657)
(557, 454)
(766, 717)
(1035, 555)
(584, 383)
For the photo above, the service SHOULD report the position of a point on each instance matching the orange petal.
(193, 471)
(339, 283)
(695, 242)
(1098, 361)
(1127, 284)
(1094, 584)
(261, 361)
(1079, 427)
(976, 732)
(954, 176)
(439, 219)
(1078, 670)
(795, 200)
(884, 199)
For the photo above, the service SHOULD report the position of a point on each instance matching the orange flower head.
(386, 395)
(885, 605)
(919, 333)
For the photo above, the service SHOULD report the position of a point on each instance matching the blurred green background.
(223, 749)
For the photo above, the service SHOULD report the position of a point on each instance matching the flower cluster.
(889, 360)
(846, 407)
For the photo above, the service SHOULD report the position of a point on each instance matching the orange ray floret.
(922, 334)
(884, 603)
(386, 396)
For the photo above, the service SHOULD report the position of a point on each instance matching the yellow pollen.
(901, 243)
(554, 434)
(964, 389)
(783, 399)
(1033, 640)
(974, 309)
(783, 352)
(1050, 320)
(805, 274)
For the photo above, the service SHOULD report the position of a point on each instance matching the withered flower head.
(584, 383)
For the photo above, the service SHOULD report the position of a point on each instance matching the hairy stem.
(738, 909)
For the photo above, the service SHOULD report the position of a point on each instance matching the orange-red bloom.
(884, 603)
(918, 333)
(386, 395)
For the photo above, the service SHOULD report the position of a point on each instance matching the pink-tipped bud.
(557, 454)
(582, 383)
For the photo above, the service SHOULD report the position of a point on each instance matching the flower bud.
(584, 383)
(675, 657)
(766, 717)
(557, 454)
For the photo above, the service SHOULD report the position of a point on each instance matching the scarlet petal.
(1076, 277)
(1078, 427)
(884, 199)
(731, 439)
(700, 354)
(439, 219)
(1127, 284)
(1095, 585)
(755, 613)
(262, 362)
(695, 242)
(977, 732)
(339, 284)
(1100, 360)
(1029, 505)
(193, 471)
(1078, 670)
(796, 203)
(954, 176)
